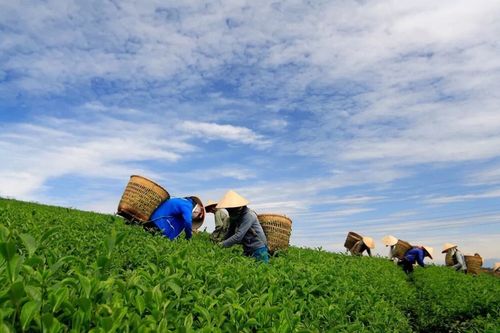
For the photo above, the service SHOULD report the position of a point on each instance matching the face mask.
(233, 211)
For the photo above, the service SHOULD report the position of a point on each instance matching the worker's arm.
(188, 221)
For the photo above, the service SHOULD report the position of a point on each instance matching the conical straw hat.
(496, 266)
(197, 223)
(429, 250)
(389, 240)
(447, 246)
(210, 203)
(231, 200)
(369, 242)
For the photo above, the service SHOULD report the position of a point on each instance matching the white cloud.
(212, 131)
(487, 176)
(353, 200)
(20, 184)
(466, 197)
(103, 148)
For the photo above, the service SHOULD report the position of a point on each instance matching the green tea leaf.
(46, 236)
(140, 303)
(8, 252)
(102, 261)
(17, 292)
(4, 328)
(188, 321)
(175, 287)
(60, 296)
(28, 312)
(85, 285)
(4, 233)
(50, 323)
(29, 243)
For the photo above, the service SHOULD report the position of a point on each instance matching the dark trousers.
(407, 266)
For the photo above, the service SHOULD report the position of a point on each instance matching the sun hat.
(447, 246)
(389, 240)
(429, 250)
(210, 203)
(496, 266)
(197, 223)
(231, 200)
(369, 242)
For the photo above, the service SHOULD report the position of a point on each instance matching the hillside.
(67, 270)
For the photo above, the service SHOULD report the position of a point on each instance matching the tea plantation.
(63, 270)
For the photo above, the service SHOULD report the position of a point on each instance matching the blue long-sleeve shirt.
(173, 216)
(415, 254)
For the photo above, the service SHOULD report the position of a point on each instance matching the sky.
(379, 117)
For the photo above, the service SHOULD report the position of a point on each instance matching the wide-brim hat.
(210, 203)
(447, 246)
(496, 266)
(389, 240)
(369, 242)
(429, 250)
(197, 223)
(231, 200)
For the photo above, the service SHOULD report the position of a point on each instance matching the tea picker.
(221, 219)
(357, 244)
(391, 241)
(454, 257)
(148, 204)
(244, 227)
(178, 214)
(415, 255)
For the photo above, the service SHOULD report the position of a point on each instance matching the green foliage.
(65, 270)
(451, 301)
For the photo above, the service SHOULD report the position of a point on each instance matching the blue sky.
(378, 117)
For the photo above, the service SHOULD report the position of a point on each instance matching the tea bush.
(64, 270)
(451, 301)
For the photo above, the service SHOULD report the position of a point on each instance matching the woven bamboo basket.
(489, 271)
(474, 264)
(140, 199)
(351, 239)
(449, 259)
(401, 248)
(278, 229)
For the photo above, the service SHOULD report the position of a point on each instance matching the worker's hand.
(221, 244)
